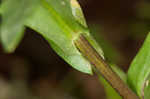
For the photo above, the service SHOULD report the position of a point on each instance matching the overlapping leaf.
(139, 71)
(14, 13)
(58, 22)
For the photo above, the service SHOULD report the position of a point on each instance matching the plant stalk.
(101, 66)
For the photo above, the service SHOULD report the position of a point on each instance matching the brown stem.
(94, 58)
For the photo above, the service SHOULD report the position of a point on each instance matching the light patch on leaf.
(63, 3)
(145, 86)
(147, 83)
(77, 12)
(74, 3)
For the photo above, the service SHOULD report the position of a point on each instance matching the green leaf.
(55, 21)
(110, 92)
(77, 13)
(14, 13)
(139, 71)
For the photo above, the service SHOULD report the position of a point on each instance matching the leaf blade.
(59, 34)
(139, 70)
(14, 13)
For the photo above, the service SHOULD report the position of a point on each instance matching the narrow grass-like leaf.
(139, 71)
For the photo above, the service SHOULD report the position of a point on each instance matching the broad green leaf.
(110, 92)
(55, 21)
(139, 71)
(60, 22)
(14, 13)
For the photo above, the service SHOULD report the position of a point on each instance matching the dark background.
(35, 71)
